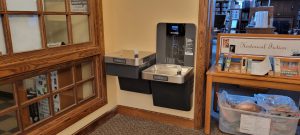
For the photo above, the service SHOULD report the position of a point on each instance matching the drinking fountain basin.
(124, 64)
(168, 73)
(128, 66)
(127, 57)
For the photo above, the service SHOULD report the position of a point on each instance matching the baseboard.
(157, 117)
(97, 122)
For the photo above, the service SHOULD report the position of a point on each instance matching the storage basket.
(230, 119)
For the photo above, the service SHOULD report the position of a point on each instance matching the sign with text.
(255, 125)
(272, 46)
(79, 5)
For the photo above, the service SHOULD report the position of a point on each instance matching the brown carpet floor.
(124, 125)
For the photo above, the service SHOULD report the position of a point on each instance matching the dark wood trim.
(15, 65)
(99, 28)
(84, 81)
(6, 30)
(69, 23)
(45, 70)
(202, 57)
(44, 53)
(12, 59)
(47, 60)
(67, 88)
(41, 24)
(75, 86)
(97, 122)
(23, 102)
(27, 102)
(7, 110)
(156, 116)
(209, 32)
(51, 100)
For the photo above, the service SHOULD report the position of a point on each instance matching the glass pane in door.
(35, 112)
(9, 124)
(6, 96)
(79, 5)
(63, 100)
(61, 78)
(85, 91)
(33, 87)
(25, 33)
(54, 5)
(80, 28)
(84, 71)
(21, 5)
(56, 30)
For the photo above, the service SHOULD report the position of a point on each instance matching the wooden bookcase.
(267, 81)
(221, 7)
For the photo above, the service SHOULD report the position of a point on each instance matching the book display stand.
(254, 60)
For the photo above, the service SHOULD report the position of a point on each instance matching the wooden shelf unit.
(274, 82)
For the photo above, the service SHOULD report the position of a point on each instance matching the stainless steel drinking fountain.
(168, 73)
(172, 78)
(127, 65)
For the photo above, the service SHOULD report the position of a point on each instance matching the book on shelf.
(289, 69)
(244, 65)
(220, 65)
(277, 70)
(249, 66)
(245, 16)
(298, 69)
(272, 61)
(227, 62)
(235, 67)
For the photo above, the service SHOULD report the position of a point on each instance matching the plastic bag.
(234, 100)
(239, 102)
(277, 104)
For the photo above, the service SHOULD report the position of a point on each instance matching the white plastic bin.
(230, 119)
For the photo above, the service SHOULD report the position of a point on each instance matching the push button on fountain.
(179, 70)
(136, 57)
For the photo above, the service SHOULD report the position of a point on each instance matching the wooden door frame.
(44, 61)
(203, 51)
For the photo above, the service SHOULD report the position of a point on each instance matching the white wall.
(131, 24)
(134, 27)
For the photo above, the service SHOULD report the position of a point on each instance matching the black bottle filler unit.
(172, 78)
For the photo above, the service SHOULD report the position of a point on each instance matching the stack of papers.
(261, 68)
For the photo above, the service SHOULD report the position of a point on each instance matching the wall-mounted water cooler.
(128, 65)
(171, 79)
